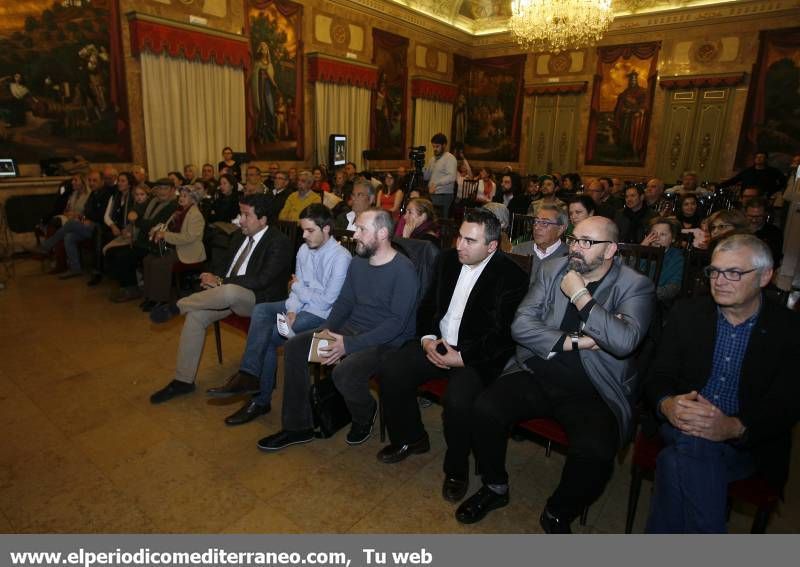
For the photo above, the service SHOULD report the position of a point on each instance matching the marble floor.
(83, 450)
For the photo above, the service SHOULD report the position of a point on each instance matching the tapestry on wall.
(488, 108)
(772, 121)
(622, 104)
(274, 93)
(62, 88)
(387, 127)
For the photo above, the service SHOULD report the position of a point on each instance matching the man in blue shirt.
(725, 383)
(320, 272)
(440, 173)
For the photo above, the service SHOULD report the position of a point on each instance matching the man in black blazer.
(259, 263)
(725, 384)
(465, 323)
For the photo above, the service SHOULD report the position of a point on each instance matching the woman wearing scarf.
(183, 232)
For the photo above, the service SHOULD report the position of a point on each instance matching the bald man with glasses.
(576, 330)
(724, 384)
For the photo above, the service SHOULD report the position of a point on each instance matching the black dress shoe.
(284, 438)
(396, 453)
(147, 305)
(454, 488)
(475, 508)
(247, 413)
(164, 312)
(239, 384)
(174, 388)
(95, 280)
(552, 524)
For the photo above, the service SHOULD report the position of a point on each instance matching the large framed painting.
(488, 109)
(622, 105)
(772, 121)
(387, 125)
(62, 86)
(274, 93)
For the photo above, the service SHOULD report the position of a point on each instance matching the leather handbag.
(328, 408)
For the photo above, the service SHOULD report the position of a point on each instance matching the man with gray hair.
(654, 198)
(549, 225)
(724, 384)
(300, 199)
(361, 198)
(576, 331)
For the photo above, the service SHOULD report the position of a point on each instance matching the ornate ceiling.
(480, 17)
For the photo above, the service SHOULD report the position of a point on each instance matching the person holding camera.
(440, 174)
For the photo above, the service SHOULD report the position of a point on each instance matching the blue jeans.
(263, 339)
(691, 484)
(72, 233)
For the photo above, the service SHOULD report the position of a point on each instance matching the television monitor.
(337, 149)
(8, 168)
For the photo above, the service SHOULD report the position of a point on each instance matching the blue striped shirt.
(722, 388)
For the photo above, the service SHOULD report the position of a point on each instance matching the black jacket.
(484, 336)
(268, 268)
(769, 388)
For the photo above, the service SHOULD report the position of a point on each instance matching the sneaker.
(284, 438)
(171, 390)
(361, 432)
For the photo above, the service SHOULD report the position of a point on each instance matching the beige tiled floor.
(82, 449)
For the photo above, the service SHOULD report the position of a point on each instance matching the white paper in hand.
(283, 327)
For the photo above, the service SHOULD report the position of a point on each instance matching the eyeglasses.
(545, 222)
(713, 273)
(585, 243)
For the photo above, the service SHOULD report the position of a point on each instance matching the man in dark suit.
(465, 322)
(725, 384)
(575, 333)
(259, 263)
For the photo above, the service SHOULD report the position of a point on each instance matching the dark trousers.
(587, 420)
(402, 372)
(122, 262)
(691, 490)
(351, 377)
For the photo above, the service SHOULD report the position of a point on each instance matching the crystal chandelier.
(558, 25)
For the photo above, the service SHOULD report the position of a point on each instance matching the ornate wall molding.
(701, 81)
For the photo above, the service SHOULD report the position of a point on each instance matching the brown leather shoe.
(239, 384)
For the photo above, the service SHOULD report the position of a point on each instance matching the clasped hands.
(694, 415)
(451, 358)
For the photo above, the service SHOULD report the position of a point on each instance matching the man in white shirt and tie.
(465, 323)
(259, 268)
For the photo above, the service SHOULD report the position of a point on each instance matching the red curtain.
(433, 90)
(329, 70)
(192, 45)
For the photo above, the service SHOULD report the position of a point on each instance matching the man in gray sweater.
(375, 312)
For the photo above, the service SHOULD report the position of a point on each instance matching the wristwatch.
(574, 337)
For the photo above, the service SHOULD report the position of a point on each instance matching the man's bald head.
(597, 228)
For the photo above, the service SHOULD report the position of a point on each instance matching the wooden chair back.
(646, 260)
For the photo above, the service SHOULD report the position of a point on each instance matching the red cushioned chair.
(753, 490)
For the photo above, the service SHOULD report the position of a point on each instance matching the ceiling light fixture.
(559, 25)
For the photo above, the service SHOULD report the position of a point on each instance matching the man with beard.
(575, 332)
(375, 311)
(440, 174)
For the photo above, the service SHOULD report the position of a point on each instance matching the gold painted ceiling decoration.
(483, 17)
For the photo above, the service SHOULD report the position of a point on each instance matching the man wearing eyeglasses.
(725, 385)
(549, 225)
(576, 331)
